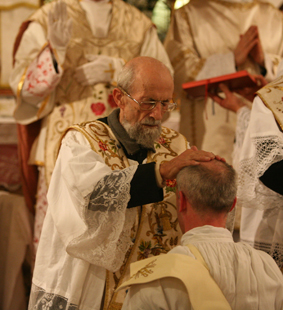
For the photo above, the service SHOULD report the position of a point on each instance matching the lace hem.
(40, 299)
(251, 191)
(108, 221)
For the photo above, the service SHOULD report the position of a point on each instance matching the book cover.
(233, 81)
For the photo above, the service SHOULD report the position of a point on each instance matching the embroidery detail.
(145, 271)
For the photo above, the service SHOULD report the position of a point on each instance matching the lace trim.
(251, 191)
(40, 299)
(108, 221)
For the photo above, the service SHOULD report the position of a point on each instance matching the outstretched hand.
(191, 157)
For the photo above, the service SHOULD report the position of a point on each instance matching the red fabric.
(29, 173)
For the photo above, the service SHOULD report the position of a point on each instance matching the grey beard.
(143, 136)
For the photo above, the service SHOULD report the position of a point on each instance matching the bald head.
(142, 72)
(209, 187)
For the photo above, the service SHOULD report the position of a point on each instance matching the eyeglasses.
(167, 105)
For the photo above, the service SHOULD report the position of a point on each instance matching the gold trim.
(38, 163)
(269, 107)
(18, 5)
(42, 107)
(126, 266)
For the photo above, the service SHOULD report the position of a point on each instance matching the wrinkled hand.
(245, 45)
(59, 30)
(169, 170)
(98, 70)
(249, 92)
(230, 102)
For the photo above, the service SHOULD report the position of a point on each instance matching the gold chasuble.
(156, 229)
(75, 103)
(272, 96)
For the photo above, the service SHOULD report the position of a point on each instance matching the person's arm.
(88, 202)
(166, 293)
(144, 186)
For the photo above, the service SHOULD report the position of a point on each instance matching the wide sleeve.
(88, 204)
(35, 75)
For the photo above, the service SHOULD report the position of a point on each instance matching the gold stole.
(156, 230)
(272, 97)
(203, 292)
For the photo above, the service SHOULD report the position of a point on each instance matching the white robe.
(249, 279)
(200, 42)
(79, 242)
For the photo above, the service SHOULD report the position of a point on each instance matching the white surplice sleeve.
(88, 204)
(34, 77)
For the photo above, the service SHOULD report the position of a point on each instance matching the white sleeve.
(33, 70)
(88, 202)
(167, 293)
(153, 47)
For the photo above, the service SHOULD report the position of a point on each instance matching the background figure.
(111, 198)
(67, 56)
(248, 278)
(258, 157)
(209, 38)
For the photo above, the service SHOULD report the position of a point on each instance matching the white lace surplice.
(86, 229)
(262, 212)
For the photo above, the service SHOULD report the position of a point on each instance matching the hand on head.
(169, 170)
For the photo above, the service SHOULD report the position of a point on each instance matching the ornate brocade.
(156, 229)
(272, 97)
(75, 103)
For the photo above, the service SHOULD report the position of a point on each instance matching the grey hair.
(126, 77)
(209, 189)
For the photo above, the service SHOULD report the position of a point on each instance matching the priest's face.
(145, 125)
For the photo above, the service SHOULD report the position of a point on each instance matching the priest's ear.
(118, 95)
(234, 204)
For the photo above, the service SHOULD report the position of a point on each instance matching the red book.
(233, 81)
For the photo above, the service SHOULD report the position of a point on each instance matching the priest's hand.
(245, 45)
(59, 30)
(99, 69)
(257, 53)
(249, 92)
(230, 102)
(169, 170)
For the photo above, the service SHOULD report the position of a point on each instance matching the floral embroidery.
(146, 249)
(62, 110)
(98, 108)
(111, 101)
(162, 141)
(103, 146)
(170, 186)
